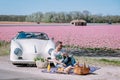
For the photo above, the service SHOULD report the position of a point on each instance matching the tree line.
(19, 18)
(62, 17)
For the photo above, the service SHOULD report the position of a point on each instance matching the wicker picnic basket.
(40, 64)
(81, 70)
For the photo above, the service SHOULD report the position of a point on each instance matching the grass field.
(4, 48)
(99, 61)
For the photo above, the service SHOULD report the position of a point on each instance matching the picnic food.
(64, 70)
(60, 69)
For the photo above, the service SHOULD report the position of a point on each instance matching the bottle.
(48, 67)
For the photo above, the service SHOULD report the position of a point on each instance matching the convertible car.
(25, 46)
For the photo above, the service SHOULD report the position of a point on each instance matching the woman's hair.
(57, 43)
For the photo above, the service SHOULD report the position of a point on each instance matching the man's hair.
(57, 43)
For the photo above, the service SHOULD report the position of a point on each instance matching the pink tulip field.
(83, 36)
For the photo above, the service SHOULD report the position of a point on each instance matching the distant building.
(78, 22)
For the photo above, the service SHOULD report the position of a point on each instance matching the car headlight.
(50, 51)
(18, 52)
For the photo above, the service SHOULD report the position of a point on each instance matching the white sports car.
(28, 45)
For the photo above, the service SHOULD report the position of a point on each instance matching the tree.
(35, 17)
(75, 15)
(48, 17)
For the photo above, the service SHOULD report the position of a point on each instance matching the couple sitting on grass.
(61, 59)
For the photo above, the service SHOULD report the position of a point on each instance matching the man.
(61, 58)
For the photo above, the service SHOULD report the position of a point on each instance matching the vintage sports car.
(28, 45)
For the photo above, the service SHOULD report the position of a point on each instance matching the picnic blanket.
(54, 70)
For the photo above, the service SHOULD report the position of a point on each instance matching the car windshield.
(32, 35)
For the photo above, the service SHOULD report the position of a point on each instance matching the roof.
(78, 21)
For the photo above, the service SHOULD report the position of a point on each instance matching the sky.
(26, 7)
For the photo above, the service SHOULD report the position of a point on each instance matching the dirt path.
(105, 73)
